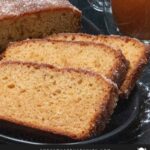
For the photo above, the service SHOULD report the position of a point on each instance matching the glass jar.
(126, 17)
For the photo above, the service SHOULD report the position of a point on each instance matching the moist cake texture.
(21, 19)
(135, 52)
(65, 102)
(93, 57)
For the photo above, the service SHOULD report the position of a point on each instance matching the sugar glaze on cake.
(17, 7)
(23, 19)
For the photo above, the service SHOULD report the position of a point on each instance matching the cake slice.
(65, 102)
(94, 57)
(21, 19)
(134, 51)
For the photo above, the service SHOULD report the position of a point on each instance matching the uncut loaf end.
(22, 19)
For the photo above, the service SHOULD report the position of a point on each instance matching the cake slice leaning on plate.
(68, 102)
(134, 51)
(97, 58)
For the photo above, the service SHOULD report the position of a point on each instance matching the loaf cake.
(94, 57)
(134, 51)
(21, 19)
(65, 102)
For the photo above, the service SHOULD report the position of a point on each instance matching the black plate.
(123, 116)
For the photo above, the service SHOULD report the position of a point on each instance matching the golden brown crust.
(108, 105)
(116, 74)
(37, 65)
(130, 81)
(13, 9)
(133, 78)
(104, 117)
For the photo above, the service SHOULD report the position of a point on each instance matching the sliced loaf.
(65, 102)
(21, 19)
(94, 57)
(134, 51)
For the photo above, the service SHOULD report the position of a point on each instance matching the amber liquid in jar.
(132, 17)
